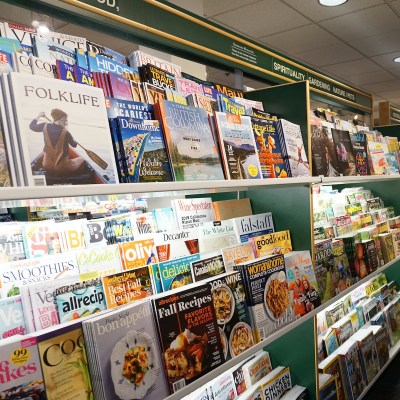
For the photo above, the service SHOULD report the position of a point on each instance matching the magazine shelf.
(24, 196)
(344, 180)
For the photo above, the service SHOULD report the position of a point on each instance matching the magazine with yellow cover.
(272, 243)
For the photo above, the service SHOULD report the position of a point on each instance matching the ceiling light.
(332, 3)
(43, 29)
(396, 60)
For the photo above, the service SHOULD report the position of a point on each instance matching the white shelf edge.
(286, 329)
(147, 189)
(342, 180)
(392, 354)
(333, 300)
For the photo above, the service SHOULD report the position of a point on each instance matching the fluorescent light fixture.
(332, 3)
(43, 29)
(396, 60)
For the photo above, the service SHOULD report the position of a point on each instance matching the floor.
(387, 387)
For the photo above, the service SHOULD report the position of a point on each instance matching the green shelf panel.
(389, 130)
(393, 273)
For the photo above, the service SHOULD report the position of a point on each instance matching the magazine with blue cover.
(12, 321)
(105, 51)
(129, 109)
(192, 150)
(99, 63)
(228, 105)
(65, 71)
(83, 76)
(49, 51)
(144, 150)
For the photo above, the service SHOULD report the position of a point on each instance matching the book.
(153, 94)
(229, 106)
(79, 299)
(344, 151)
(144, 150)
(41, 165)
(125, 359)
(269, 148)
(238, 146)
(232, 314)
(227, 209)
(187, 87)
(251, 226)
(295, 155)
(191, 213)
(98, 261)
(359, 145)
(302, 282)
(124, 287)
(20, 356)
(63, 359)
(216, 235)
(129, 109)
(65, 71)
(267, 294)
(50, 51)
(12, 321)
(11, 242)
(191, 147)
(15, 274)
(272, 243)
(276, 383)
(182, 333)
(324, 268)
(207, 267)
(177, 272)
(137, 253)
(237, 254)
(157, 76)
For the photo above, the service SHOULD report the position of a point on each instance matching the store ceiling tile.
(386, 60)
(395, 5)
(365, 23)
(314, 11)
(389, 94)
(212, 7)
(379, 44)
(370, 77)
(355, 67)
(391, 84)
(263, 18)
(299, 40)
(394, 100)
(333, 54)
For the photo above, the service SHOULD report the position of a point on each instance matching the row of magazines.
(356, 333)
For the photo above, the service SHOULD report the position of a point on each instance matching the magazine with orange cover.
(137, 253)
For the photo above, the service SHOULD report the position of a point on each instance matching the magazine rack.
(169, 28)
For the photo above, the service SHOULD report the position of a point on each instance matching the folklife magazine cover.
(63, 132)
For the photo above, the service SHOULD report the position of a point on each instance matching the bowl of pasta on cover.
(276, 296)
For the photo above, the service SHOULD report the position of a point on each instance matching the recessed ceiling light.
(397, 60)
(332, 3)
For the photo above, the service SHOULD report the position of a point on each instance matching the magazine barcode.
(262, 334)
(39, 181)
(178, 385)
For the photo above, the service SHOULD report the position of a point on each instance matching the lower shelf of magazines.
(392, 354)
(270, 339)
(26, 196)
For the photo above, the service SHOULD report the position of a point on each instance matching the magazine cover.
(49, 51)
(165, 219)
(301, 282)
(15, 274)
(267, 294)
(65, 372)
(191, 147)
(253, 225)
(177, 272)
(191, 213)
(213, 236)
(238, 146)
(125, 287)
(119, 228)
(341, 274)
(232, 313)
(293, 145)
(70, 235)
(40, 238)
(60, 144)
(137, 253)
(139, 58)
(144, 150)
(272, 243)
(237, 254)
(208, 266)
(189, 335)
(276, 383)
(359, 145)
(125, 361)
(11, 242)
(324, 269)
(21, 356)
(79, 299)
(98, 261)
(269, 148)
(222, 387)
(12, 321)
(95, 233)
(331, 365)
(344, 151)
(128, 109)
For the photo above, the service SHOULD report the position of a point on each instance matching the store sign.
(211, 41)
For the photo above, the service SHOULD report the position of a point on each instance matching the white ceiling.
(355, 42)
